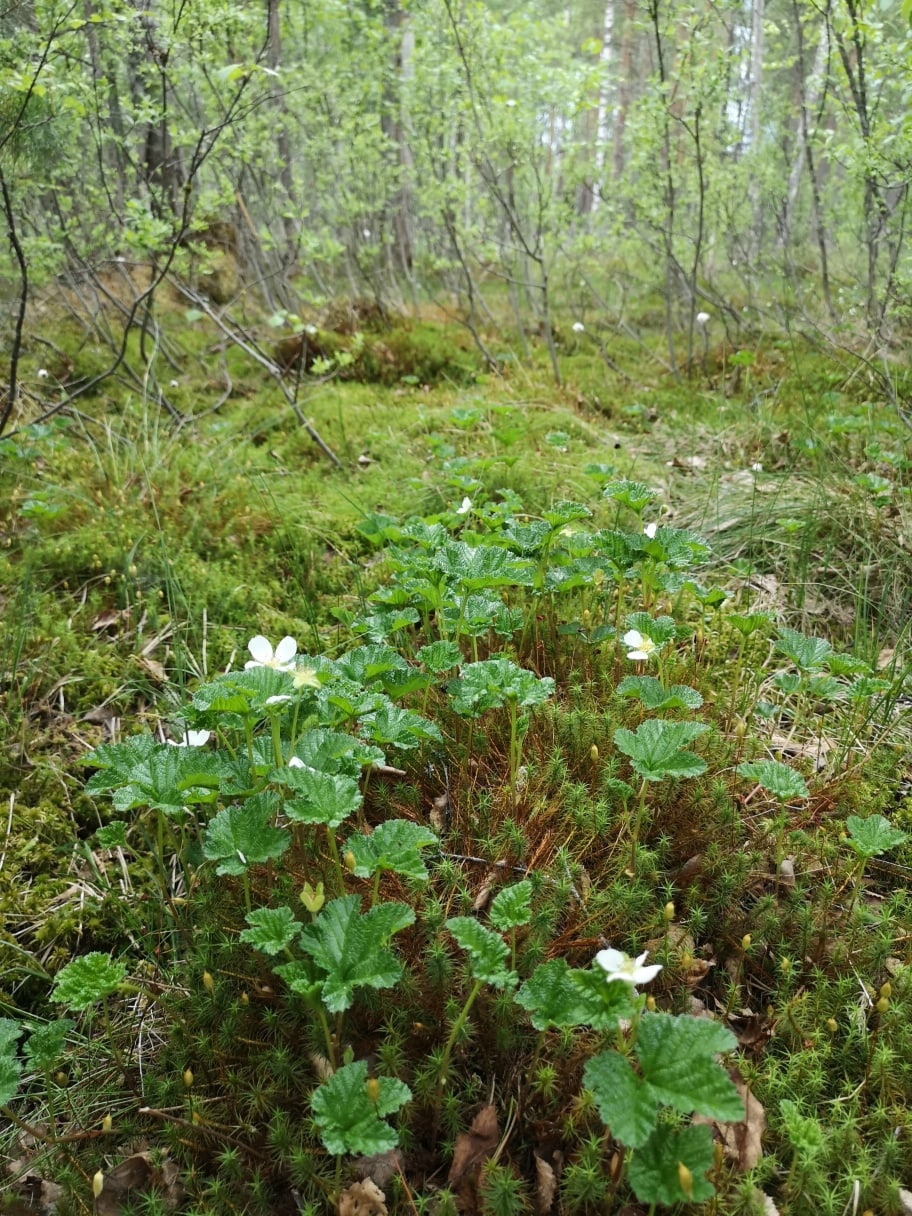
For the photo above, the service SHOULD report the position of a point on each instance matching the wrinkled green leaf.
(395, 845)
(240, 836)
(655, 748)
(487, 951)
(87, 980)
(653, 695)
(872, 836)
(512, 906)
(625, 1104)
(348, 1120)
(776, 778)
(271, 929)
(654, 1169)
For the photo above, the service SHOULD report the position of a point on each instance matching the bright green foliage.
(241, 836)
(399, 727)
(776, 778)
(808, 654)
(325, 798)
(45, 1044)
(471, 569)
(626, 1104)
(365, 664)
(632, 494)
(872, 836)
(10, 1033)
(112, 835)
(661, 629)
(748, 623)
(10, 1071)
(244, 693)
(558, 995)
(653, 695)
(394, 845)
(351, 948)
(493, 682)
(488, 953)
(440, 656)
(655, 748)
(116, 762)
(512, 906)
(655, 1172)
(350, 1121)
(331, 751)
(87, 980)
(271, 929)
(170, 779)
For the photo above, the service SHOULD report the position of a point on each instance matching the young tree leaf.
(351, 948)
(394, 845)
(350, 1117)
(87, 980)
(656, 1173)
(626, 1105)
(487, 951)
(271, 929)
(512, 906)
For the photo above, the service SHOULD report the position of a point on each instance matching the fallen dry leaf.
(905, 1200)
(362, 1199)
(472, 1150)
(742, 1141)
(381, 1167)
(545, 1186)
(153, 668)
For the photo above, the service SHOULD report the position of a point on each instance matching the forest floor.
(623, 665)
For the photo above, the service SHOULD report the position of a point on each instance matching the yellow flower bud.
(97, 1184)
(188, 1078)
(832, 1025)
(746, 942)
(313, 898)
(886, 990)
(740, 728)
(686, 960)
(598, 577)
(372, 1088)
(882, 1005)
(245, 999)
(208, 981)
(107, 1124)
(651, 1004)
(587, 617)
(350, 861)
(685, 1180)
(593, 754)
(60, 1077)
(668, 912)
(786, 964)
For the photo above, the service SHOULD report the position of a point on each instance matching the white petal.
(610, 959)
(294, 762)
(465, 508)
(643, 975)
(632, 637)
(637, 656)
(261, 649)
(196, 738)
(277, 700)
(650, 530)
(286, 650)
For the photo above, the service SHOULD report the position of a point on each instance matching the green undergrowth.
(576, 675)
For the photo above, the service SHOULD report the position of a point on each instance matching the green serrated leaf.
(512, 906)
(632, 494)
(487, 951)
(872, 836)
(324, 798)
(351, 948)
(655, 748)
(655, 1169)
(625, 1104)
(776, 778)
(808, 654)
(271, 929)
(677, 1057)
(45, 1044)
(653, 695)
(492, 682)
(10, 1033)
(748, 623)
(557, 995)
(240, 836)
(396, 846)
(348, 1119)
(661, 629)
(87, 980)
(113, 835)
(440, 656)
(399, 727)
(10, 1071)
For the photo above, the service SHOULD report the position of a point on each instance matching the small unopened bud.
(593, 754)
(208, 982)
(598, 577)
(685, 1180)
(245, 999)
(668, 912)
(372, 1089)
(350, 861)
(313, 898)
(651, 1004)
(107, 1124)
(687, 960)
(97, 1183)
(60, 1077)
(832, 1025)
(786, 964)
(188, 1078)
(886, 990)
(746, 942)
(882, 1005)
(587, 617)
(740, 728)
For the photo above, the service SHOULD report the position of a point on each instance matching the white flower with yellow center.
(620, 966)
(639, 646)
(191, 738)
(263, 655)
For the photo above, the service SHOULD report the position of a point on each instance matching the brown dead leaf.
(137, 1173)
(545, 1186)
(362, 1199)
(816, 749)
(475, 1146)
(381, 1167)
(111, 617)
(885, 658)
(153, 668)
(742, 1141)
(101, 715)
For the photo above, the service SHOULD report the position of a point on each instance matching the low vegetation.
(509, 815)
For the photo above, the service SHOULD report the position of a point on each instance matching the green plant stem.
(637, 818)
(337, 860)
(115, 1050)
(276, 740)
(454, 1035)
(375, 893)
(514, 752)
